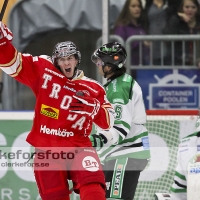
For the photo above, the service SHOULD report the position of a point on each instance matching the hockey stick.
(3, 9)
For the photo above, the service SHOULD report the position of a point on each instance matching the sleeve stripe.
(12, 61)
(107, 116)
(121, 130)
(180, 175)
(180, 185)
(15, 68)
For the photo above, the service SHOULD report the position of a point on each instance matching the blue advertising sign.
(174, 97)
(170, 88)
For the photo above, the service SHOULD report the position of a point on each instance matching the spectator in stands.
(157, 12)
(132, 21)
(185, 21)
(173, 6)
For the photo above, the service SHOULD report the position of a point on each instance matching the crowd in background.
(160, 17)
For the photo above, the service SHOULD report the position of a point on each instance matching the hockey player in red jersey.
(67, 103)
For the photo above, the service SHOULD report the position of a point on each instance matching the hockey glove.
(98, 141)
(84, 104)
(5, 32)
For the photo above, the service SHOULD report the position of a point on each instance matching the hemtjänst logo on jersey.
(49, 111)
(90, 164)
(56, 132)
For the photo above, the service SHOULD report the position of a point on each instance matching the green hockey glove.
(98, 141)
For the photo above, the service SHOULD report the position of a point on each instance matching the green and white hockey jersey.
(125, 95)
(186, 184)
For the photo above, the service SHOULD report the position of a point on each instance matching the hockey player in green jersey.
(186, 184)
(124, 149)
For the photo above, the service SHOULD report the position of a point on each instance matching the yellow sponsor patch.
(49, 111)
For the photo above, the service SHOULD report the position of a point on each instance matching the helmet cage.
(97, 60)
(65, 49)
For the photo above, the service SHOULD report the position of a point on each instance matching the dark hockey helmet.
(65, 49)
(110, 54)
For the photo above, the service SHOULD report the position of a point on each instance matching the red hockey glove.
(5, 32)
(85, 104)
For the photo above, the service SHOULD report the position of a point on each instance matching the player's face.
(99, 64)
(100, 68)
(190, 9)
(67, 65)
(135, 9)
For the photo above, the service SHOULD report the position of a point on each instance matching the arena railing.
(163, 39)
(169, 39)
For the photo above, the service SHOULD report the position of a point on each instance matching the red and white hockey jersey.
(54, 125)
